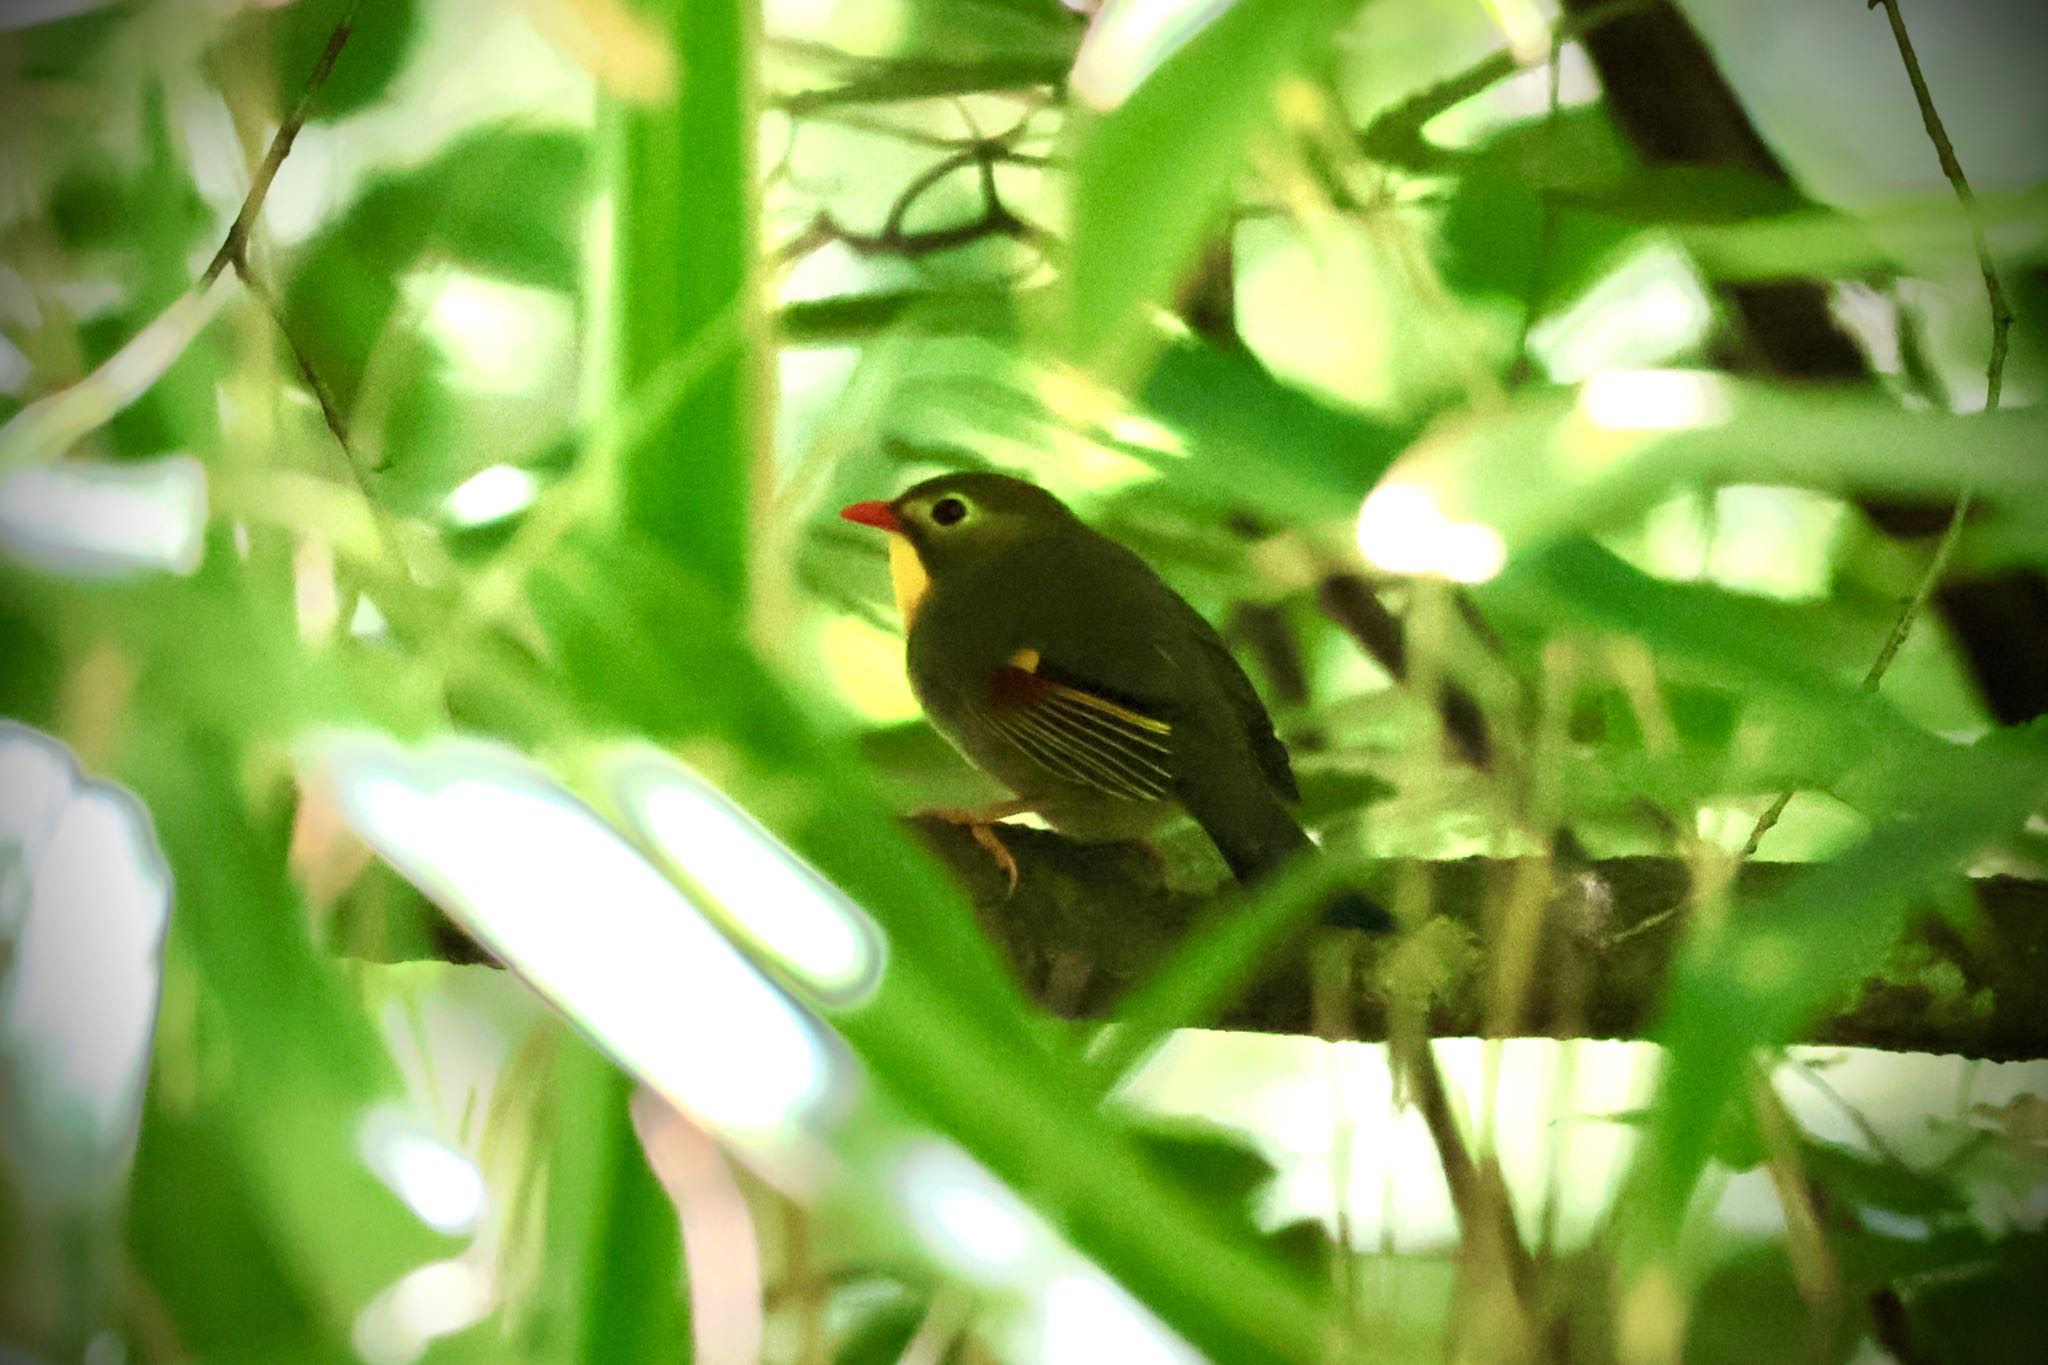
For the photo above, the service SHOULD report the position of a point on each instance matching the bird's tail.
(1257, 835)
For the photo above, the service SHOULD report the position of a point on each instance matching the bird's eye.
(947, 511)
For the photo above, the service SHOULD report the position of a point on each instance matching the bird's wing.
(1076, 730)
(1158, 654)
(1248, 708)
(1124, 677)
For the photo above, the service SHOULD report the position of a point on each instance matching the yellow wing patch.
(1029, 659)
(1121, 714)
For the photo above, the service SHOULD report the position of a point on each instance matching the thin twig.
(236, 243)
(1546, 239)
(46, 428)
(234, 251)
(1873, 1139)
(1394, 136)
(896, 239)
(1945, 152)
(1479, 1197)
(1994, 384)
(330, 412)
(907, 81)
(1815, 1272)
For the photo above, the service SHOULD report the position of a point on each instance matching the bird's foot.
(981, 823)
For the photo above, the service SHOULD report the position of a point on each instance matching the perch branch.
(1980, 993)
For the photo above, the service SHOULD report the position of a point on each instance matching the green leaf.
(1750, 1307)
(1823, 244)
(1151, 177)
(279, 1067)
(501, 202)
(1550, 463)
(684, 257)
(1579, 158)
(1983, 1312)
(1220, 958)
(963, 32)
(1774, 965)
(159, 217)
(1492, 234)
(881, 1333)
(292, 37)
(34, 676)
(67, 47)
(1217, 1164)
(613, 1290)
(208, 1244)
(1862, 1180)
(641, 644)
(1706, 633)
(1256, 441)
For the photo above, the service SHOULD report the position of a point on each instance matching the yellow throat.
(907, 577)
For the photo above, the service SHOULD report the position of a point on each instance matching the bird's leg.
(980, 823)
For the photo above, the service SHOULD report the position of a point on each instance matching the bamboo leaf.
(1154, 164)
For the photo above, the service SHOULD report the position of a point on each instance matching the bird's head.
(953, 521)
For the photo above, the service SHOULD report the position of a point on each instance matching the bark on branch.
(1086, 924)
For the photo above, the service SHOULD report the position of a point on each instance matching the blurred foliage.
(1215, 274)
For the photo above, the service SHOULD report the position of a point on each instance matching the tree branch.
(1606, 948)
(896, 238)
(1088, 923)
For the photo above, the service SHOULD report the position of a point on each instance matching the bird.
(1059, 663)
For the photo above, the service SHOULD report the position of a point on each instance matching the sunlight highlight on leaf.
(90, 519)
(491, 495)
(760, 888)
(1523, 24)
(84, 899)
(540, 879)
(1648, 310)
(1402, 530)
(1148, 175)
(973, 1221)
(1087, 1317)
(1654, 400)
(436, 1300)
(499, 337)
(1128, 41)
(437, 1182)
(1772, 542)
(979, 1228)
